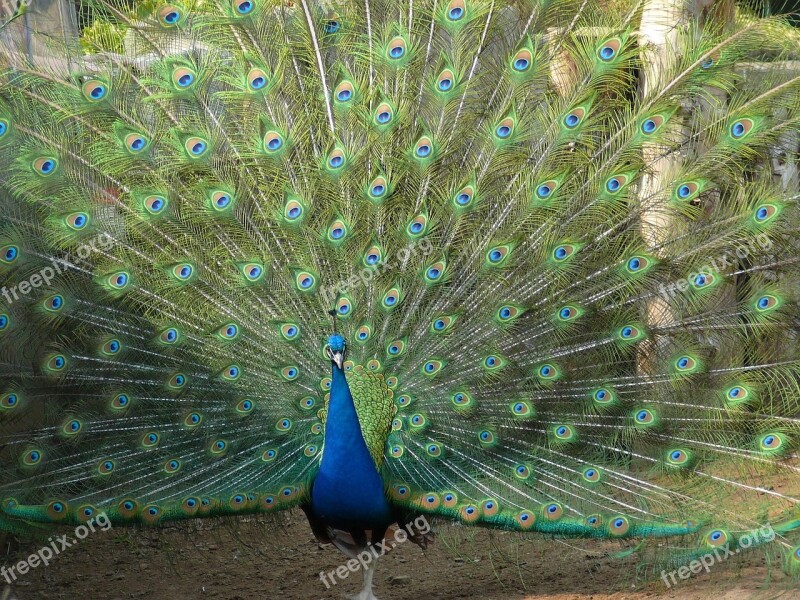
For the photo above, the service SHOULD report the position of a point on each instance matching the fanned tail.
(565, 253)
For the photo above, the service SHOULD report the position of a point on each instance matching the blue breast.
(348, 491)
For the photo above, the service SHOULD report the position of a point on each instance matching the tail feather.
(578, 281)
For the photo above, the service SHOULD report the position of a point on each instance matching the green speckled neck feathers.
(374, 403)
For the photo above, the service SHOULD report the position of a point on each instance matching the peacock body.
(513, 264)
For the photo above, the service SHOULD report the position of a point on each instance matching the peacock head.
(335, 349)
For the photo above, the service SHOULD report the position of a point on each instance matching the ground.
(222, 562)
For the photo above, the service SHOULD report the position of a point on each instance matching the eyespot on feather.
(521, 61)
(45, 165)
(609, 49)
(618, 526)
(155, 205)
(423, 149)
(574, 118)
(94, 90)
(384, 114)
(344, 92)
(257, 79)
(136, 143)
(9, 254)
(396, 49)
(170, 15)
(456, 10)
(740, 128)
(336, 159)
(446, 81)
(244, 7)
(183, 78)
(305, 281)
(196, 147)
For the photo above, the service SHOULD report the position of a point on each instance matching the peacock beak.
(337, 357)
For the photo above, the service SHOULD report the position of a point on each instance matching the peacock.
(529, 265)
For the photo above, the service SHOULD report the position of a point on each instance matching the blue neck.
(348, 491)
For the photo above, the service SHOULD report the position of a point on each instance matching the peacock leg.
(366, 592)
(368, 557)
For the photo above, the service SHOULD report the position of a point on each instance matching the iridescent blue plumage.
(348, 492)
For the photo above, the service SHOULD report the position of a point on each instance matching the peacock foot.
(364, 595)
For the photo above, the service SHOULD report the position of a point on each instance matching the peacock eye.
(764, 213)
(196, 146)
(396, 49)
(378, 188)
(417, 225)
(344, 92)
(561, 253)
(464, 196)
(169, 15)
(505, 128)
(384, 114)
(154, 204)
(94, 90)
(273, 141)
(423, 148)
(573, 119)
(615, 183)
(183, 77)
(336, 159)
(221, 200)
(456, 10)
(46, 165)
(244, 7)
(446, 81)
(522, 61)
(609, 49)
(9, 254)
(741, 128)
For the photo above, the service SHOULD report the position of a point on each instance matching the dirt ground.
(254, 560)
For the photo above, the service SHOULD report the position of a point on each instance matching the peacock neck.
(348, 490)
(343, 437)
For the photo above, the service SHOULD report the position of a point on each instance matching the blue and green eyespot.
(609, 49)
(94, 90)
(446, 81)
(183, 78)
(9, 254)
(45, 165)
(170, 15)
(244, 7)
(257, 79)
(396, 50)
(521, 61)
